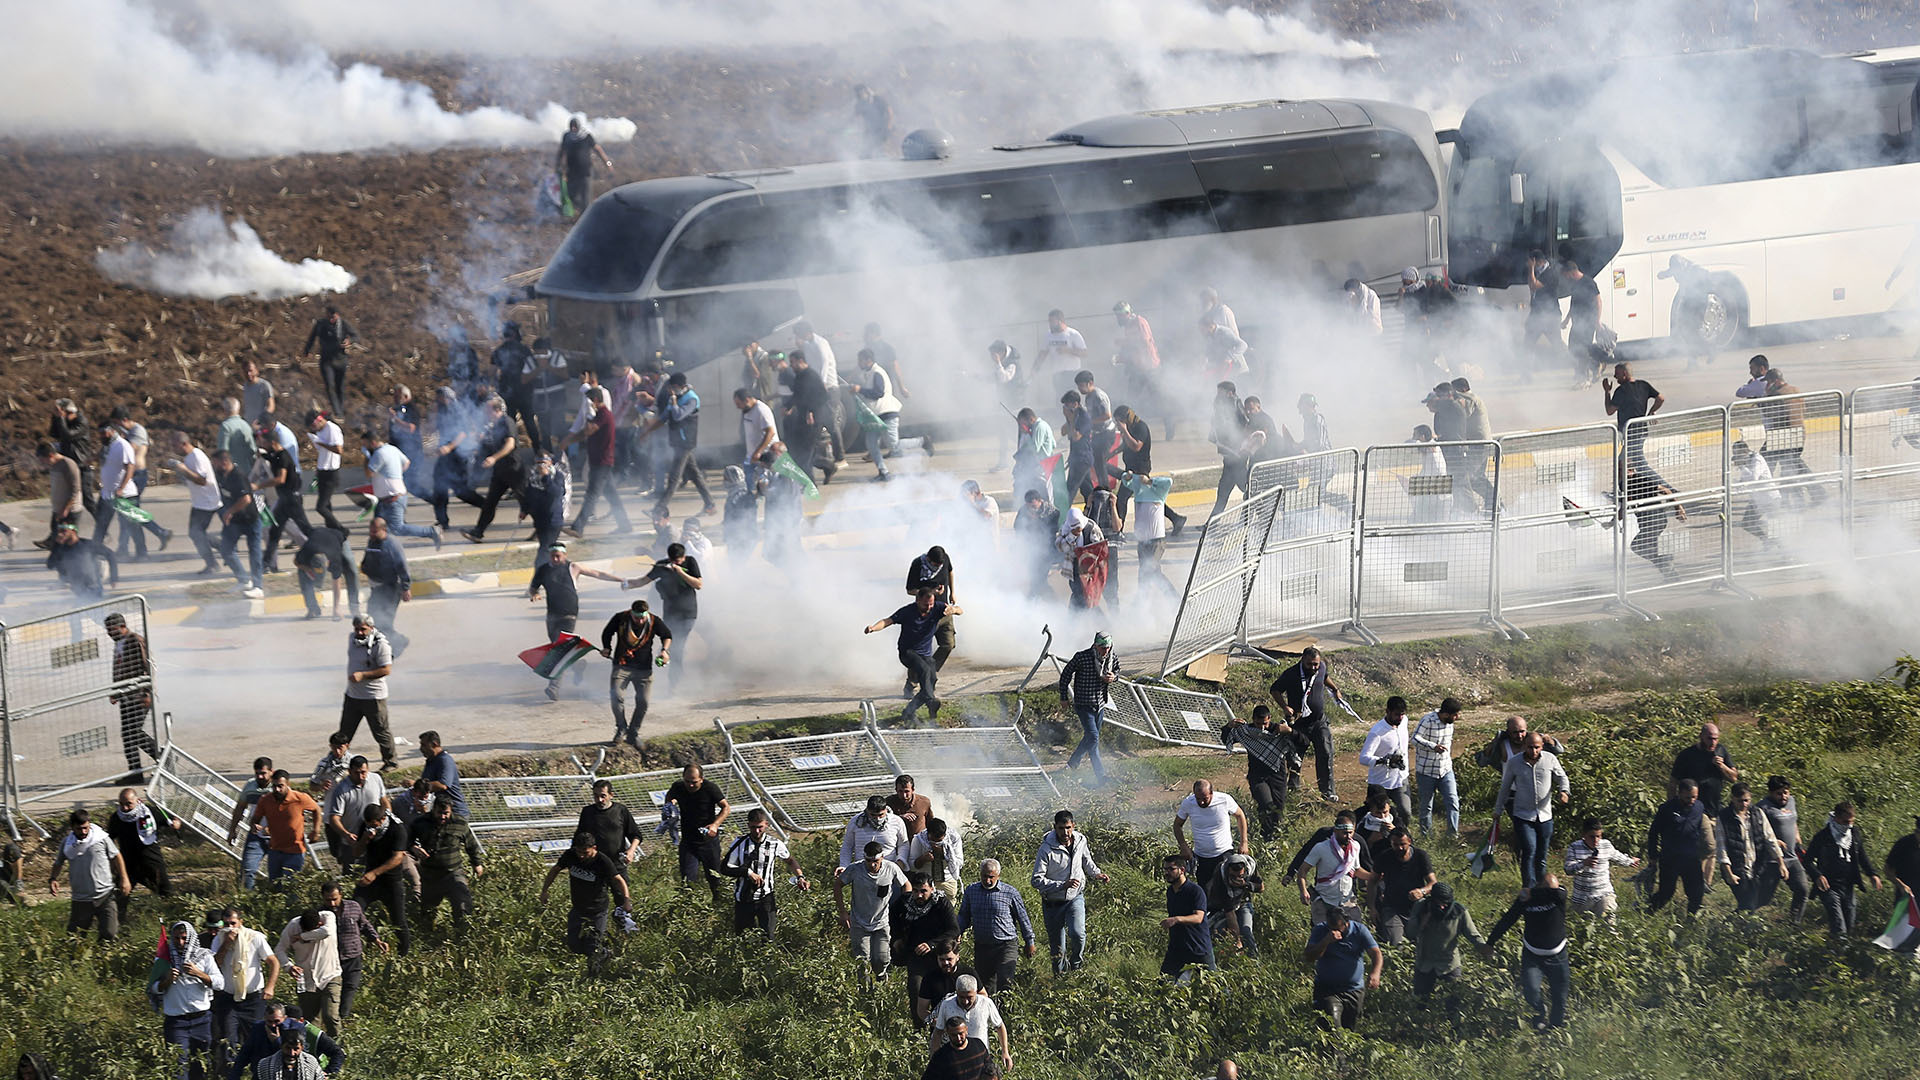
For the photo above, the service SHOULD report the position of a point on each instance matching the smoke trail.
(206, 258)
(109, 69)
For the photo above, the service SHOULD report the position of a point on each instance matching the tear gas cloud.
(206, 257)
(109, 69)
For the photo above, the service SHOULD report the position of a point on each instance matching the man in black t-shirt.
(383, 847)
(677, 579)
(703, 810)
(943, 968)
(574, 163)
(1707, 764)
(628, 640)
(590, 873)
(1582, 320)
(239, 520)
(283, 475)
(1301, 691)
(327, 554)
(615, 833)
(1136, 456)
(497, 446)
(1630, 400)
(934, 570)
(919, 622)
(559, 577)
(1405, 877)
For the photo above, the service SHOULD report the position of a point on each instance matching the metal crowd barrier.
(1590, 514)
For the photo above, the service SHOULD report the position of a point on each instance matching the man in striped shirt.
(1433, 766)
(996, 912)
(1590, 863)
(751, 862)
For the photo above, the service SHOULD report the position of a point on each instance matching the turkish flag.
(1090, 568)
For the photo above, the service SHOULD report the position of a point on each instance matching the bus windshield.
(609, 250)
(1483, 219)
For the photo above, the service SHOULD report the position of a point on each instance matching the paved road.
(239, 685)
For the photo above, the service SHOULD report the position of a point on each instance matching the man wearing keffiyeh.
(135, 829)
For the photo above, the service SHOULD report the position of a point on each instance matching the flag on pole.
(1482, 861)
(1090, 567)
(125, 507)
(362, 497)
(867, 418)
(789, 468)
(1053, 470)
(552, 660)
(1902, 928)
(566, 199)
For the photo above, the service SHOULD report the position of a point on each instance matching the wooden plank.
(1294, 644)
(1210, 668)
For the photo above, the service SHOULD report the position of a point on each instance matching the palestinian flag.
(867, 418)
(1053, 471)
(1482, 861)
(784, 465)
(362, 497)
(125, 507)
(1902, 928)
(552, 660)
(1090, 567)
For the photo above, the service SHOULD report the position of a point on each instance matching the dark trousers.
(521, 405)
(639, 680)
(197, 522)
(1342, 1006)
(154, 527)
(193, 1034)
(286, 508)
(325, 483)
(1684, 871)
(233, 1020)
(700, 857)
(105, 517)
(505, 477)
(147, 867)
(333, 376)
(997, 962)
(437, 887)
(599, 486)
(374, 712)
(383, 604)
(580, 193)
(920, 669)
(389, 889)
(353, 971)
(751, 913)
(1798, 884)
(104, 913)
(1534, 838)
(1543, 982)
(585, 931)
(449, 476)
(1206, 867)
(134, 712)
(1841, 913)
(1269, 792)
(1319, 735)
(1235, 472)
(681, 469)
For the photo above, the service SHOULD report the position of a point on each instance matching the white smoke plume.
(109, 69)
(208, 258)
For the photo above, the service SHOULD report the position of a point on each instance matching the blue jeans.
(284, 864)
(1090, 720)
(1551, 970)
(1428, 786)
(394, 512)
(230, 536)
(1533, 838)
(1242, 918)
(252, 854)
(1066, 931)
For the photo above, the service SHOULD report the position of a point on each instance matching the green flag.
(126, 509)
(867, 418)
(566, 201)
(787, 467)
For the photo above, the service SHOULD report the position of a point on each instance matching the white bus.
(1704, 194)
(950, 251)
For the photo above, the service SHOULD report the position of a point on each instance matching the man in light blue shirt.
(387, 470)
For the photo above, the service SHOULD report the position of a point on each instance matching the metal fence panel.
(1126, 709)
(1305, 577)
(814, 782)
(201, 798)
(1426, 529)
(1224, 565)
(541, 812)
(1883, 443)
(646, 792)
(1189, 717)
(974, 770)
(1675, 484)
(1794, 513)
(1558, 515)
(62, 730)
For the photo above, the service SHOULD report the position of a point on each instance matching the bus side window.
(1294, 184)
(1386, 174)
(997, 217)
(723, 245)
(1134, 200)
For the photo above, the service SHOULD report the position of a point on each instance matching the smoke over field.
(209, 258)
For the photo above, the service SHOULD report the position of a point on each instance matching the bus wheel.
(1713, 319)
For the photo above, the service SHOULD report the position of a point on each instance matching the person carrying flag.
(560, 578)
(1085, 549)
(918, 623)
(1903, 868)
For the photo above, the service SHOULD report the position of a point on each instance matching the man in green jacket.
(1436, 927)
(440, 841)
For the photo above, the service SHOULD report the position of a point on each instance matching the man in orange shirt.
(289, 827)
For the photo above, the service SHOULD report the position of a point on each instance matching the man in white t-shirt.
(979, 1011)
(1061, 344)
(328, 444)
(116, 481)
(195, 470)
(1215, 816)
(757, 432)
(136, 435)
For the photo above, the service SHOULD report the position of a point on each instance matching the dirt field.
(430, 234)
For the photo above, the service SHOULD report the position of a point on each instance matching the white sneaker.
(254, 594)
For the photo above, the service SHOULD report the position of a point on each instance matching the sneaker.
(708, 510)
(166, 536)
(473, 535)
(553, 692)
(439, 537)
(254, 593)
(574, 532)
(881, 479)
(208, 570)
(1178, 527)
